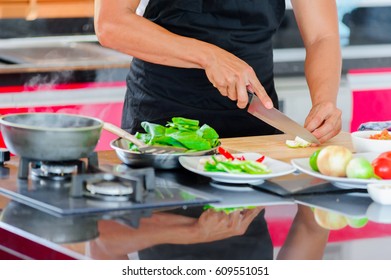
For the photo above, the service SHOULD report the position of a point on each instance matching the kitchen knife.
(278, 120)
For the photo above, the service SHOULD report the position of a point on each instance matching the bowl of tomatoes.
(371, 141)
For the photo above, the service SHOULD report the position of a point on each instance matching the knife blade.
(278, 120)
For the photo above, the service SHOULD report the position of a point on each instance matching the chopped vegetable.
(297, 143)
(262, 158)
(235, 166)
(230, 156)
(180, 132)
(227, 210)
(225, 153)
(384, 135)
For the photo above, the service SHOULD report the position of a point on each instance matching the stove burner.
(58, 169)
(55, 170)
(110, 190)
(132, 185)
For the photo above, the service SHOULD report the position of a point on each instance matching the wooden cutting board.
(274, 145)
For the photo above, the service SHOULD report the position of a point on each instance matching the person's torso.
(242, 27)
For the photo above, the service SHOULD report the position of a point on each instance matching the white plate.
(231, 188)
(277, 167)
(303, 165)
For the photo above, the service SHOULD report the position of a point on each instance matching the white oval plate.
(303, 165)
(277, 167)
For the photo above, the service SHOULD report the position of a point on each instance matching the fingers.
(242, 95)
(240, 220)
(238, 91)
(217, 225)
(324, 121)
(232, 77)
(234, 220)
(259, 90)
(249, 215)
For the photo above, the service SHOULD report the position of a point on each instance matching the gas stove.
(85, 187)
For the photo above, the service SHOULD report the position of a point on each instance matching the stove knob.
(4, 155)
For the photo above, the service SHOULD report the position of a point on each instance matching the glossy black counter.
(360, 229)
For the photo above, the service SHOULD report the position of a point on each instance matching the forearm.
(306, 240)
(116, 240)
(323, 69)
(119, 27)
(318, 25)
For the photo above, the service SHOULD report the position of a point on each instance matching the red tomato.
(382, 167)
(386, 155)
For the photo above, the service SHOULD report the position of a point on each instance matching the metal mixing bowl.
(159, 161)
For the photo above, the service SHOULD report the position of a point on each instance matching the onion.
(330, 220)
(332, 160)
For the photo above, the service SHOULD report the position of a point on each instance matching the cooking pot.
(50, 136)
(65, 229)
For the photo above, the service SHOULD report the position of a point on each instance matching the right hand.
(233, 77)
(216, 225)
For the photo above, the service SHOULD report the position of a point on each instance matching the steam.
(51, 120)
(47, 81)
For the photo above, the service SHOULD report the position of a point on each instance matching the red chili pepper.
(260, 159)
(225, 153)
(241, 158)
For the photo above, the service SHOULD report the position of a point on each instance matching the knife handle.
(250, 98)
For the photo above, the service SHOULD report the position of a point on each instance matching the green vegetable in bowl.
(180, 132)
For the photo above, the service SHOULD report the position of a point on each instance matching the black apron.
(255, 244)
(156, 93)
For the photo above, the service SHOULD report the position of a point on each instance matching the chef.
(199, 58)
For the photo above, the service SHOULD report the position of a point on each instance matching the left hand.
(324, 121)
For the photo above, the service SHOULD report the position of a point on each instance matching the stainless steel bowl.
(159, 161)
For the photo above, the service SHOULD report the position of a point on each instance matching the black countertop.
(101, 237)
